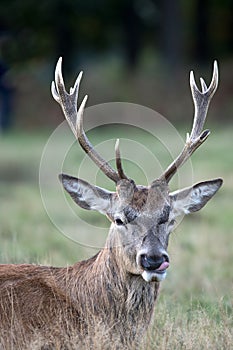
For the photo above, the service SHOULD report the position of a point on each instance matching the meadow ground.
(194, 310)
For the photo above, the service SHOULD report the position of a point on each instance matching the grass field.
(194, 310)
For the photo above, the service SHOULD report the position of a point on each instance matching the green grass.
(194, 310)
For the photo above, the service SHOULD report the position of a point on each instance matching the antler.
(74, 117)
(201, 101)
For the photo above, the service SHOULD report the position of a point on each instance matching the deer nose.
(154, 263)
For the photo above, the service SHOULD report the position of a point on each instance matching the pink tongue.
(163, 266)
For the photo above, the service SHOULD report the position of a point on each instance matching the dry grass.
(193, 327)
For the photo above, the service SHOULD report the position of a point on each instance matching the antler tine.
(68, 102)
(118, 160)
(201, 100)
(74, 117)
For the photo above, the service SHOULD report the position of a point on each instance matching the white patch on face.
(150, 276)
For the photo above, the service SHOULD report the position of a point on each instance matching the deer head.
(142, 218)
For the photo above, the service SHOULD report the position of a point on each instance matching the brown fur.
(81, 300)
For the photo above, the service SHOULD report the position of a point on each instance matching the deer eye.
(119, 222)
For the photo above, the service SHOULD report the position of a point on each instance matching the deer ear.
(85, 195)
(194, 198)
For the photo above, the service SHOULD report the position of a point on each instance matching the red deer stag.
(107, 300)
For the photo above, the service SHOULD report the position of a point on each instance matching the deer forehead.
(138, 200)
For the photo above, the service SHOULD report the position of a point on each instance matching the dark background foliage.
(131, 50)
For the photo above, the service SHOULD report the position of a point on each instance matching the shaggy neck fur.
(121, 303)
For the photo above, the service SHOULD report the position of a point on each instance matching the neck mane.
(121, 302)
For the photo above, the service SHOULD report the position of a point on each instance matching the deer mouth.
(154, 275)
(154, 270)
(162, 268)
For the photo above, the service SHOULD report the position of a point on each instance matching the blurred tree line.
(175, 35)
(178, 30)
